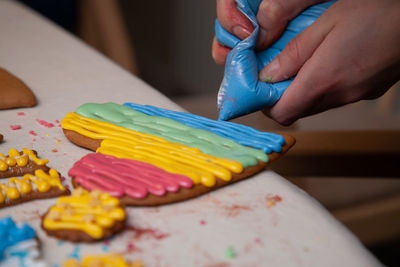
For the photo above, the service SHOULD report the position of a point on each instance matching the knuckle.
(293, 51)
(272, 8)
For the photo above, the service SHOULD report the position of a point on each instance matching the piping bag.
(241, 92)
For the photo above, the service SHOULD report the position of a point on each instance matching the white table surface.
(64, 73)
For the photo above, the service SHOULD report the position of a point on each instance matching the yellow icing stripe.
(109, 260)
(41, 182)
(20, 159)
(84, 211)
(172, 157)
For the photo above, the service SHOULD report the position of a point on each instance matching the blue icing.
(75, 253)
(241, 134)
(11, 234)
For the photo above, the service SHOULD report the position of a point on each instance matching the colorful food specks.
(271, 200)
(15, 127)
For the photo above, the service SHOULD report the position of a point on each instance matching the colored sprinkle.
(62, 179)
(257, 240)
(272, 200)
(15, 127)
(20, 113)
(45, 123)
(33, 133)
(230, 253)
(57, 121)
(75, 253)
(60, 243)
(203, 222)
(47, 135)
(54, 150)
(131, 247)
(105, 248)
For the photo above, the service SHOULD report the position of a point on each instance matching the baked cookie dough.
(84, 217)
(13, 92)
(165, 156)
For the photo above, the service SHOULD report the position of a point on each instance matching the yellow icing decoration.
(108, 260)
(172, 157)
(42, 182)
(84, 211)
(20, 159)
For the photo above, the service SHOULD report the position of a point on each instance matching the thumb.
(295, 53)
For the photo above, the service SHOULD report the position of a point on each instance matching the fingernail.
(262, 37)
(241, 32)
(270, 72)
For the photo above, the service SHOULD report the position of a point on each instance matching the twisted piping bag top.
(241, 92)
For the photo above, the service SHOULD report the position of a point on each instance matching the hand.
(350, 53)
(272, 16)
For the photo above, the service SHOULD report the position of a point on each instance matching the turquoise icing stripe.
(173, 131)
(242, 134)
(11, 234)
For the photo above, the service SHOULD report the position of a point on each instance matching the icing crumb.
(21, 113)
(15, 127)
(32, 133)
(45, 123)
(230, 253)
(272, 200)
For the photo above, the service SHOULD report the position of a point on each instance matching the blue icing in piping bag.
(241, 92)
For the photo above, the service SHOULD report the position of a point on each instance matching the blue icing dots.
(244, 135)
(11, 234)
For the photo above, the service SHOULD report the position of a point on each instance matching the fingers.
(219, 52)
(273, 16)
(296, 53)
(232, 19)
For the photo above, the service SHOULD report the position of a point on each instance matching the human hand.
(272, 16)
(350, 53)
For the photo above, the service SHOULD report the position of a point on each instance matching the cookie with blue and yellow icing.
(152, 156)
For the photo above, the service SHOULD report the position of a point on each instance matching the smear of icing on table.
(125, 177)
(172, 157)
(242, 134)
(172, 131)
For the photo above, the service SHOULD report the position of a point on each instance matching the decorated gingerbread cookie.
(19, 163)
(84, 216)
(107, 260)
(30, 187)
(14, 93)
(19, 245)
(152, 156)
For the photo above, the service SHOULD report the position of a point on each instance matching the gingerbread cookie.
(20, 163)
(108, 260)
(84, 216)
(19, 245)
(165, 156)
(30, 187)
(14, 93)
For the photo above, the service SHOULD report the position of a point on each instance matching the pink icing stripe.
(125, 176)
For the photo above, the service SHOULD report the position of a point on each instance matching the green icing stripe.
(172, 131)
